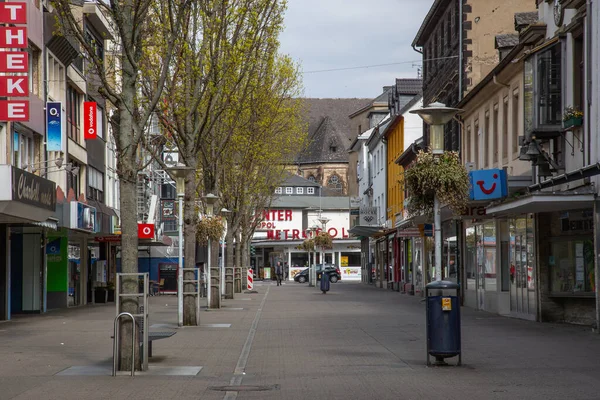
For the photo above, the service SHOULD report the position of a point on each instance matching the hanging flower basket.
(323, 240)
(442, 175)
(209, 228)
(308, 245)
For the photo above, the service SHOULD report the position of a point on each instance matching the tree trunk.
(245, 254)
(238, 265)
(229, 262)
(215, 275)
(129, 264)
(191, 315)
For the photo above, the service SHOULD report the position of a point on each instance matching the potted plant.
(572, 117)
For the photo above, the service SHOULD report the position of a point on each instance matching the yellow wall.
(395, 147)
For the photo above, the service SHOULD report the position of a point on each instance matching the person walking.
(279, 272)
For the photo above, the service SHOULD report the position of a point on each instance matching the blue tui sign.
(488, 184)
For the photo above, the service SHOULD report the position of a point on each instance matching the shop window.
(505, 131)
(496, 135)
(74, 99)
(542, 90)
(522, 256)
(486, 139)
(516, 131)
(470, 259)
(571, 265)
(486, 255)
(95, 185)
(548, 84)
(23, 150)
(476, 155)
(73, 178)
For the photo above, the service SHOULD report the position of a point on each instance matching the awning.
(50, 223)
(543, 202)
(365, 231)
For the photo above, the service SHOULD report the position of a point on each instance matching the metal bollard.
(117, 324)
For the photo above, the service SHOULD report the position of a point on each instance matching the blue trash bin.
(443, 321)
(324, 282)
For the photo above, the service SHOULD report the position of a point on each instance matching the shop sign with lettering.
(31, 189)
(14, 37)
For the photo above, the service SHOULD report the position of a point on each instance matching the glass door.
(522, 268)
(480, 259)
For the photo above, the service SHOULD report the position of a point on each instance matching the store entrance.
(521, 269)
(167, 277)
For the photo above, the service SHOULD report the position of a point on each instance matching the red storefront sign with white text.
(13, 13)
(13, 37)
(14, 86)
(14, 110)
(89, 120)
(14, 61)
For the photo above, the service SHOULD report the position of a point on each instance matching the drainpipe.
(460, 50)
(588, 62)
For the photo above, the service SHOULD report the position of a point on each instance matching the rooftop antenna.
(418, 66)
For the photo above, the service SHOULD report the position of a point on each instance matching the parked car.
(333, 271)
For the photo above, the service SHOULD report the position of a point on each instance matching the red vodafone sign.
(89, 120)
(14, 37)
(145, 231)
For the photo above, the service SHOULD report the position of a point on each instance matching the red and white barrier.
(250, 279)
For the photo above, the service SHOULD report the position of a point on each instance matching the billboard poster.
(54, 126)
(350, 273)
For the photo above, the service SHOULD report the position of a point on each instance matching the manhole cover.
(243, 388)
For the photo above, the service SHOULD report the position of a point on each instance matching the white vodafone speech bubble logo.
(146, 230)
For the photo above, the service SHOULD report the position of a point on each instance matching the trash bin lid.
(442, 285)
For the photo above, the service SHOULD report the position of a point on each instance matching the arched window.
(335, 183)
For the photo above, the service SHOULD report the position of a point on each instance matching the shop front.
(549, 275)
(27, 209)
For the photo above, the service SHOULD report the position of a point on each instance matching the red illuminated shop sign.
(14, 37)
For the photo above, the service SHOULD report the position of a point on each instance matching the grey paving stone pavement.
(293, 342)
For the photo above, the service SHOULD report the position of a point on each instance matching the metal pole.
(208, 278)
(223, 260)
(180, 269)
(437, 225)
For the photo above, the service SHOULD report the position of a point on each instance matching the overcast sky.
(329, 34)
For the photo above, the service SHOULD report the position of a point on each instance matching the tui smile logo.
(488, 184)
(491, 189)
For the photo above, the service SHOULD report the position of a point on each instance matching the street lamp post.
(226, 276)
(436, 115)
(323, 221)
(213, 299)
(179, 173)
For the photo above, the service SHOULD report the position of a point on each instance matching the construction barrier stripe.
(250, 279)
